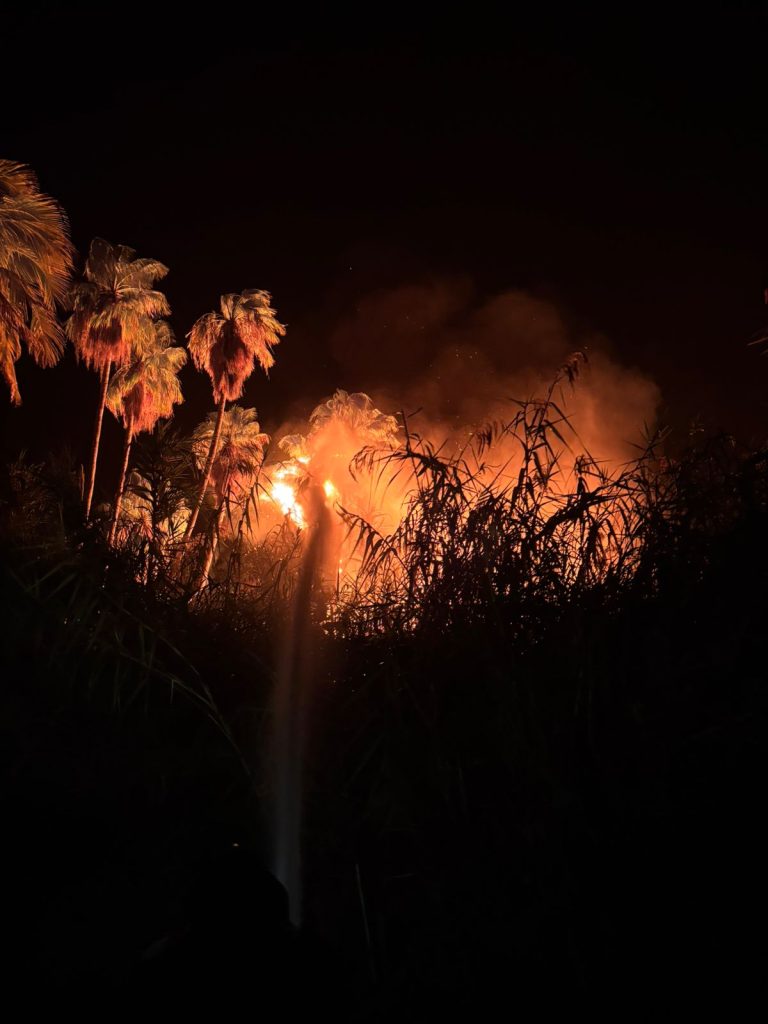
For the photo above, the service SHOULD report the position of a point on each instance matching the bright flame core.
(338, 429)
(284, 493)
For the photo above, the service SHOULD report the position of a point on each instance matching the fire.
(394, 512)
(353, 459)
(284, 493)
(317, 470)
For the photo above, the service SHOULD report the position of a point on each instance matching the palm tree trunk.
(96, 439)
(207, 469)
(213, 543)
(154, 541)
(121, 486)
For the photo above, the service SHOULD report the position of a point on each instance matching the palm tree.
(238, 459)
(112, 314)
(35, 271)
(140, 510)
(162, 459)
(357, 413)
(143, 392)
(227, 345)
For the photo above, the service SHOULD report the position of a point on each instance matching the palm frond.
(35, 270)
(227, 345)
(241, 449)
(146, 389)
(113, 308)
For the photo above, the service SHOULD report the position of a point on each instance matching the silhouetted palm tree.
(239, 457)
(226, 346)
(355, 413)
(163, 459)
(139, 510)
(113, 310)
(143, 392)
(35, 270)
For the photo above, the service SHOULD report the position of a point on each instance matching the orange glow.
(284, 494)
(354, 460)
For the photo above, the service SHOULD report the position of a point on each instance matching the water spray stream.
(293, 693)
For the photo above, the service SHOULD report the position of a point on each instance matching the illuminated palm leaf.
(138, 514)
(240, 452)
(113, 307)
(356, 412)
(113, 314)
(143, 392)
(228, 344)
(147, 389)
(35, 270)
(238, 460)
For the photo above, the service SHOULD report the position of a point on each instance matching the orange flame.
(284, 493)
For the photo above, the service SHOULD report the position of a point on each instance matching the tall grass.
(546, 673)
(523, 517)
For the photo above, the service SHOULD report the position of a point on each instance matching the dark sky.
(615, 165)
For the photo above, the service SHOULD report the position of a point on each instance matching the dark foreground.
(572, 825)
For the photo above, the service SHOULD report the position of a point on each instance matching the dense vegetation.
(537, 745)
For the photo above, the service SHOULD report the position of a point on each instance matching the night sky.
(616, 166)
